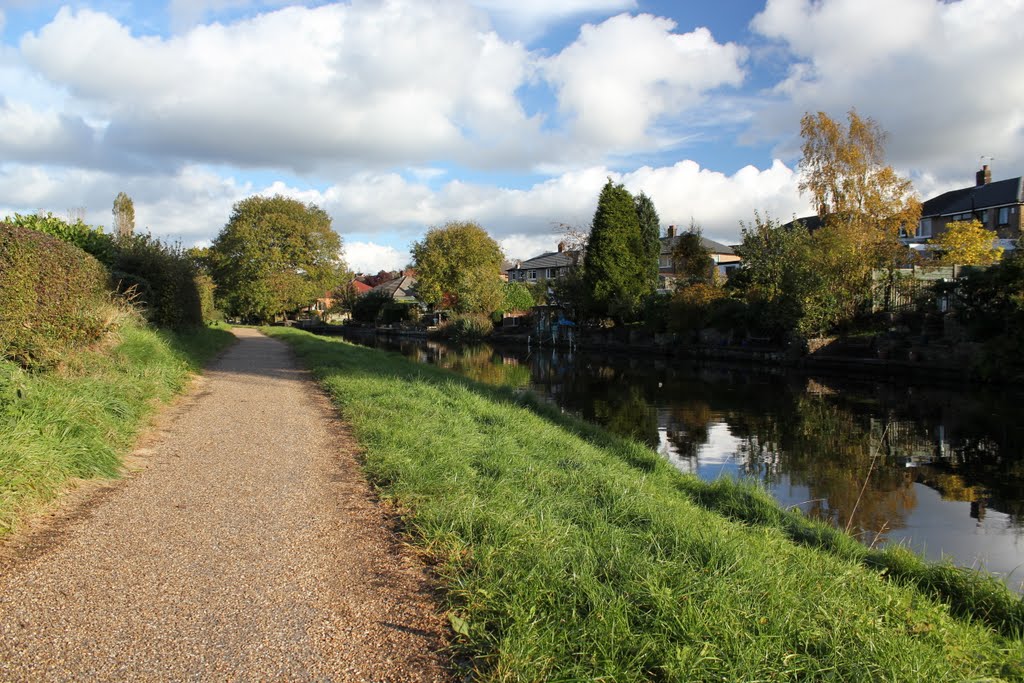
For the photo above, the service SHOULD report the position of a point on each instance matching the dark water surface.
(944, 466)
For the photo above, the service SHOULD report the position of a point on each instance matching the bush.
(87, 238)
(467, 327)
(690, 308)
(54, 295)
(159, 277)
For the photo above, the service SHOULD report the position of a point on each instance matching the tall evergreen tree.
(616, 271)
(650, 234)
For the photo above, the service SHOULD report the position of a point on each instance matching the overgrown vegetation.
(80, 368)
(54, 297)
(570, 554)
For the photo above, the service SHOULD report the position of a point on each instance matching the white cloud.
(391, 82)
(941, 77)
(369, 258)
(529, 18)
(622, 75)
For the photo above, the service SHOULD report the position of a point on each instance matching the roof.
(402, 288)
(812, 223)
(551, 259)
(975, 198)
(669, 243)
(361, 287)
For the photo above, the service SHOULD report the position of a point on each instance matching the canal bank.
(571, 554)
(935, 467)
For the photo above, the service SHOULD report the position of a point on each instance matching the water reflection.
(939, 469)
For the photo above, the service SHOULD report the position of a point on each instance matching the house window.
(1004, 216)
(983, 217)
(551, 273)
(924, 228)
(531, 275)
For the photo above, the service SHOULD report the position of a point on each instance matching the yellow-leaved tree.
(967, 243)
(862, 203)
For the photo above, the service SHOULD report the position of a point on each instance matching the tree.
(458, 265)
(967, 243)
(650, 235)
(124, 215)
(274, 255)
(518, 297)
(863, 204)
(616, 272)
(691, 259)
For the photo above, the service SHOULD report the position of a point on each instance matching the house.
(549, 266)
(360, 287)
(996, 205)
(401, 290)
(725, 259)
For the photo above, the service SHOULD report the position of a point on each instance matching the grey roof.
(552, 259)
(668, 243)
(402, 288)
(976, 198)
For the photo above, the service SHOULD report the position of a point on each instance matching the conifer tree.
(650, 234)
(616, 271)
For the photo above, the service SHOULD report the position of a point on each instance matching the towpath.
(247, 547)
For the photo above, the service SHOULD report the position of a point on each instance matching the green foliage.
(518, 297)
(274, 255)
(366, 308)
(162, 280)
(570, 554)
(691, 307)
(89, 239)
(650, 234)
(458, 266)
(617, 267)
(78, 421)
(54, 298)
(967, 243)
(124, 215)
(467, 327)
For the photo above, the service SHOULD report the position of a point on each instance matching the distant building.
(996, 205)
(549, 266)
(725, 259)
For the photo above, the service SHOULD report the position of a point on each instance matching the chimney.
(671, 231)
(561, 247)
(984, 176)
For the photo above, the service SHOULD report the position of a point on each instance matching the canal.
(939, 469)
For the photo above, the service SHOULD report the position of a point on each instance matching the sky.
(395, 116)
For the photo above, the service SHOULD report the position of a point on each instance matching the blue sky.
(398, 115)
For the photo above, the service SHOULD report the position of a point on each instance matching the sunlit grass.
(570, 554)
(78, 420)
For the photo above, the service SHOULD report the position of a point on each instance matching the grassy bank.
(570, 555)
(78, 419)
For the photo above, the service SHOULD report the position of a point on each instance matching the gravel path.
(248, 547)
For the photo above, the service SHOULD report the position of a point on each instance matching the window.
(924, 228)
(1004, 216)
(983, 217)
(551, 273)
(531, 275)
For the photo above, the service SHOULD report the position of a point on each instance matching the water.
(938, 469)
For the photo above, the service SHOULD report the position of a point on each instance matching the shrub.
(467, 327)
(161, 278)
(690, 308)
(54, 295)
(87, 238)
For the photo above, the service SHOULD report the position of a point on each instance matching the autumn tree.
(458, 266)
(124, 215)
(862, 203)
(967, 243)
(616, 271)
(274, 255)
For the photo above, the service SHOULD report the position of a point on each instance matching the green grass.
(568, 554)
(77, 421)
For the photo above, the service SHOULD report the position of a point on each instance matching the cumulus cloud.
(368, 257)
(529, 18)
(376, 83)
(941, 77)
(623, 75)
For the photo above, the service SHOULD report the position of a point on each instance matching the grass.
(568, 554)
(78, 420)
